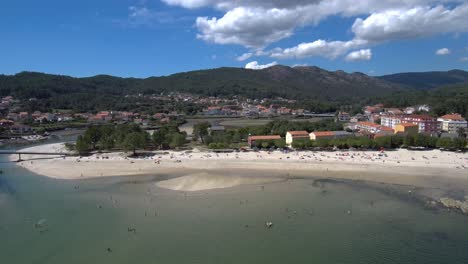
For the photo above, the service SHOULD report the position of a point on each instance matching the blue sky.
(138, 38)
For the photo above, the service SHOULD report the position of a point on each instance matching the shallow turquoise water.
(339, 223)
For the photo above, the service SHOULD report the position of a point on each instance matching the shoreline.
(405, 167)
(439, 176)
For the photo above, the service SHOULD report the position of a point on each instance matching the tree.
(280, 143)
(322, 142)
(461, 131)
(298, 144)
(82, 146)
(213, 146)
(159, 137)
(302, 144)
(409, 140)
(459, 143)
(383, 142)
(177, 140)
(134, 141)
(200, 131)
(107, 140)
(445, 143)
(92, 135)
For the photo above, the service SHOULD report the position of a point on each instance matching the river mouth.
(323, 221)
(209, 181)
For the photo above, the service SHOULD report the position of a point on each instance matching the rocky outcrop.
(456, 204)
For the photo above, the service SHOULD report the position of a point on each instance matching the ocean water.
(131, 220)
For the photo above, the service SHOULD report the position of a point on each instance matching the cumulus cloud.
(442, 52)
(229, 4)
(244, 56)
(256, 24)
(411, 23)
(359, 55)
(323, 48)
(255, 66)
(249, 27)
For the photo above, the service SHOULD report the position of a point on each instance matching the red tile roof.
(264, 137)
(370, 124)
(457, 117)
(298, 133)
(324, 133)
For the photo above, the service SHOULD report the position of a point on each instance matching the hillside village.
(373, 121)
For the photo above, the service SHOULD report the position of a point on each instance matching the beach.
(192, 207)
(430, 169)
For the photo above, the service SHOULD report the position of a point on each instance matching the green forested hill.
(303, 83)
(427, 80)
(443, 100)
(295, 83)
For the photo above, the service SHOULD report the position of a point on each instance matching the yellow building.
(409, 129)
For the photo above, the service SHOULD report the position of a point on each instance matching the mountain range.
(427, 80)
(305, 82)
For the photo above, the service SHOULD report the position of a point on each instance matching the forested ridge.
(314, 88)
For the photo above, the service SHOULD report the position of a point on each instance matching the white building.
(450, 123)
(390, 120)
(292, 135)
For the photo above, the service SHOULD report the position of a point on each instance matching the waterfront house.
(407, 129)
(329, 134)
(369, 127)
(293, 135)
(452, 122)
(252, 139)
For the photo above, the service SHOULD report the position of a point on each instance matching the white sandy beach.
(201, 170)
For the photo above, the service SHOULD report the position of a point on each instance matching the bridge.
(19, 153)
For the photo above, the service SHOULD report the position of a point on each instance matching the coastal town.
(234, 131)
(371, 121)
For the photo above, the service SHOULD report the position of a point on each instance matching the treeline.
(129, 137)
(83, 102)
(445, 100)
(387, 142)
(234, 138)
(107, 92)
(280, 127)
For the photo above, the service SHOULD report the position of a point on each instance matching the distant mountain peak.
(427, 80)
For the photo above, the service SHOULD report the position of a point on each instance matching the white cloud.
(359, 55)
(144, 16)
(229, 4)
(244, 56)
(255, 66)
(464, 59)
(249, 27)
(442, 52)
(256, 24)
(322, 48)
(190, 3)
(411, 23)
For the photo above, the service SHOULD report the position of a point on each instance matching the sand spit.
(434, 169)
(207, 181)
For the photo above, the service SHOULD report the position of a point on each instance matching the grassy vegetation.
(48, 127)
